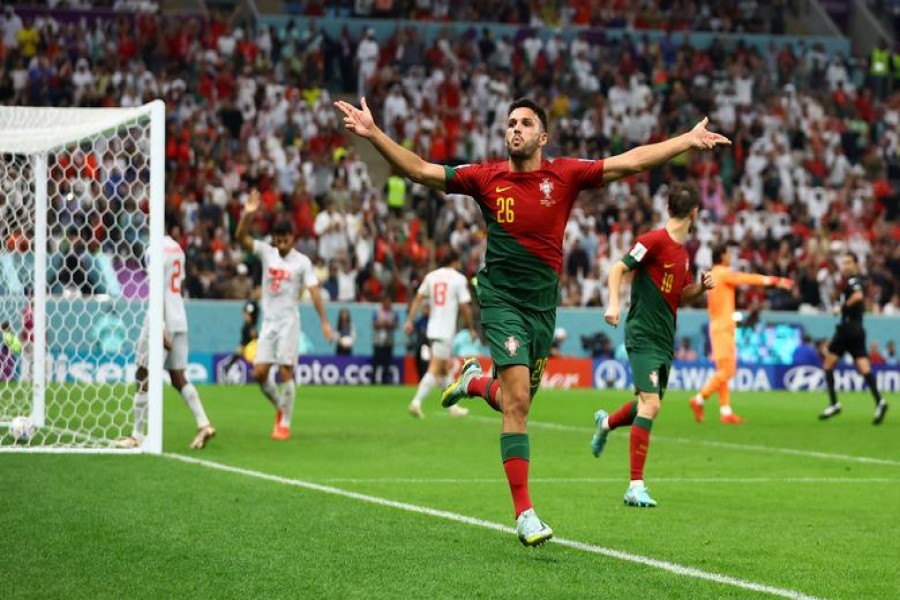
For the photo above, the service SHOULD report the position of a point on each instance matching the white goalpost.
(82, 202)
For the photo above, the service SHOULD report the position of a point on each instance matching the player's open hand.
(703, 139)
(612, 315)
(408, 328)
(327, 332)
(707, 280)
(357, 120)
(253, 201)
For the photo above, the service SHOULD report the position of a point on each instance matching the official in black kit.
(850, 338)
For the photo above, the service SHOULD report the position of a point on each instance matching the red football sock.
(517, 474)
(640, 443)
(623, 416)
(487, 388)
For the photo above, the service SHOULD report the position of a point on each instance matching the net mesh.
(96, 282)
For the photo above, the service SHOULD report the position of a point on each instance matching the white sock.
(192, 399)
(605, 424)
(424, 387)
(271, 392)
(287, 402)
(140, 415)
(698, 400)
(725, 411)
(445, 382)
(636, 483)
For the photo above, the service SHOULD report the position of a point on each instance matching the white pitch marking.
(673, 480)
(459, 518)
(67, 450)
(104, 446)
(790, 451)
(714, 444)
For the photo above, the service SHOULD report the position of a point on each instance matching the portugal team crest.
(511, 345)
(654, 378)
(546, 187)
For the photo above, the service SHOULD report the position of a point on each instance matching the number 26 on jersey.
(505, 212)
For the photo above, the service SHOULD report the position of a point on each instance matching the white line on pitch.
(790, 451)
(656, 480)
(714, 444)
(459, 518)
(104, 446)
(67, 450)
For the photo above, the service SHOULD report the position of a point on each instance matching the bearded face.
(848, 266)
(283, 242)
(524, 134)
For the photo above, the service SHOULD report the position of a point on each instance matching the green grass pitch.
(808, 509)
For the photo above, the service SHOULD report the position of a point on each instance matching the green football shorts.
(519, 337)
(650, 371)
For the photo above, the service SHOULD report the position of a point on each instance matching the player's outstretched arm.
(760, 280)
(692, 292)
(361, 122)
(316, 297)
(649, 156)
(411, 314)
(614, 283)
(242, 233)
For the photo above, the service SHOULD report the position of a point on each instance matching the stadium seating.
(812, 170)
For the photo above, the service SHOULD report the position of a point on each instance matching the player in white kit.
(285, 274)
(175, 341)
(447, 293)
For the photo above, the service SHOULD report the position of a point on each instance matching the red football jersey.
(661, 271)
(665, 262)
(526, 215)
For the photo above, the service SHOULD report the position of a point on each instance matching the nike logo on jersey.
(668, 265)
(500, 190)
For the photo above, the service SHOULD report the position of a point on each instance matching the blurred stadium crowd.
(683, 15)
(813, 170)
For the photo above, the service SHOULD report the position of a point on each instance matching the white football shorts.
(442, 349)
(278, 343)
(176, 359)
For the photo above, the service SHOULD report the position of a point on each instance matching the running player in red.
(662, 283)
(526, 201)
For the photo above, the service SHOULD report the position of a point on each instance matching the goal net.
(81, 209)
